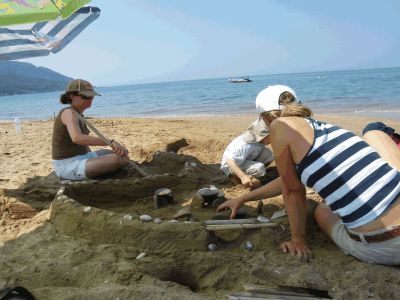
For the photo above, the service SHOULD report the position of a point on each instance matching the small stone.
(212, 247)
(87, 209)
(157, 220)
(193, 164)
(69, 201)
(141, 255)
(248, 246)
(128, 217)
(174, 221)
(145, 218)
(263, 219)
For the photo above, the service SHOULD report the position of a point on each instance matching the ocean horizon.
(368, 92)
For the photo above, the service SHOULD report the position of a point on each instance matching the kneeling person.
(245, 158)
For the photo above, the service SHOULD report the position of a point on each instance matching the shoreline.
(372, 116)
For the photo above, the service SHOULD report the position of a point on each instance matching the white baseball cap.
(268, 98)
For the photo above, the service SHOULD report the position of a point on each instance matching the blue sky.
(165, 40)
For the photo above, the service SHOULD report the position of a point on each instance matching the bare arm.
(247, 180)
(293, 190)
(69, 119)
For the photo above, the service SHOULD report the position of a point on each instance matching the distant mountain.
(25, 78)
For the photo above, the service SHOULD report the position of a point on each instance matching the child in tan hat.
(245, 158)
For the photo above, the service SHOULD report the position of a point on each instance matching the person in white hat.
(244, 160)
(358, 178)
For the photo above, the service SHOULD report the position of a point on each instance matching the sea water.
(374, 92)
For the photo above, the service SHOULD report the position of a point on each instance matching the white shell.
(141, 255)
(157, 220)
(212, 247)
(128, 217)
(145, 218)
(279, 214)
(263, 219)
(248, 246)
(87, 209)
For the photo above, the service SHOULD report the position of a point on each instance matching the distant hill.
(25, 78)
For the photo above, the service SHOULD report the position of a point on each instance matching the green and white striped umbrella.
(13, 12)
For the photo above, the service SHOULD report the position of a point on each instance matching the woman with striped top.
(359, 180)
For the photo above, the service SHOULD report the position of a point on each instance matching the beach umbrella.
(43, 38)
(14, 12)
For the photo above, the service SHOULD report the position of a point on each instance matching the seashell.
(128, 217)
(212, 247)
(279, 214)
(263, 219)
(145, 218)
(60, 191)
(141, 255)
(87, 209)
(157, 220)
(248, 246)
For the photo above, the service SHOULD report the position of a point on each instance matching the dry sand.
(81, 244)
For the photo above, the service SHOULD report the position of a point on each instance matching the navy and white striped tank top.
(354, 180)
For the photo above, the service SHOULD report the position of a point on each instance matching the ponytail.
(291, 108)
(66, 98)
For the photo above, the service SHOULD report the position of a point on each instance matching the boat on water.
(240, 80)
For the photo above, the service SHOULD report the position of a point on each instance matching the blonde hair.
(291, 108)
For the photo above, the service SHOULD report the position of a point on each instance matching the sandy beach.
(82, 245)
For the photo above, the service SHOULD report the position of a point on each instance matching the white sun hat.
(255, 132)
(268, 98)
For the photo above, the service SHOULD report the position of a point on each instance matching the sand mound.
(85, 245)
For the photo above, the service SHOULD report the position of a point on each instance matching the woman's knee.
(119, 161)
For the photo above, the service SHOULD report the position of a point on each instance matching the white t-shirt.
(240, 151)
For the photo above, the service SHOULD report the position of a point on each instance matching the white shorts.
(386, 252)
(73, 168)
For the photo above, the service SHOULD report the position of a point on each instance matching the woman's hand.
(233, 204)
(298, 248)
(119, 149)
